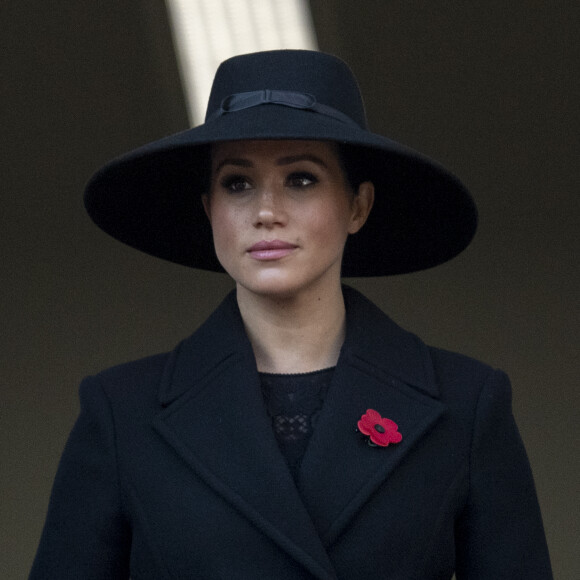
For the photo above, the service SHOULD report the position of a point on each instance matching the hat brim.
(150, 198)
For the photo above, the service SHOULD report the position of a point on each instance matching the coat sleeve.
(86, 534)
(500, 533)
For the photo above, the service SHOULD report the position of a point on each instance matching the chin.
(272, 286)
(288, 284)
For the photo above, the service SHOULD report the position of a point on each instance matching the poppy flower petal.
(363, 427)
(381, 439)
(368, 421)
(396, 437)
(373, 415)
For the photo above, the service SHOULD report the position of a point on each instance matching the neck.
(295, 334)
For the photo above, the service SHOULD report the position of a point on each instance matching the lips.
(271, 250)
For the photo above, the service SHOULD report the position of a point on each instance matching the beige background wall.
(488, 88)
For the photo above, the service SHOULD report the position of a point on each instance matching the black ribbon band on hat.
(240, 101)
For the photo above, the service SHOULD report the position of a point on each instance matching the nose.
(270, 209)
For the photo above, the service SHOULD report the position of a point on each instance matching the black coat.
(173, 471)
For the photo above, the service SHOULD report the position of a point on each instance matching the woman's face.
(280, 212)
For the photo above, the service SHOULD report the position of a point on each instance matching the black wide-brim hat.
(150, 198)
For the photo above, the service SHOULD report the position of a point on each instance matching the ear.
(206, 205)
(361, 206)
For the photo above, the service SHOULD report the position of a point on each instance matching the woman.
(299, 433)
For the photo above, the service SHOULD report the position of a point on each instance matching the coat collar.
(372, 337)
(215, 418)
(382, 367)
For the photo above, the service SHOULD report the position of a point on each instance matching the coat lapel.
(381, 367)
(215, 418)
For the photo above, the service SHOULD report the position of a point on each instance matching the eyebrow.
(305, 157)
(234, 161)
(241, 162)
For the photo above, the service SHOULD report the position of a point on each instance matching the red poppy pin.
(379, 430)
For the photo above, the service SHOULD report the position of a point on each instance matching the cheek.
(330, 221)
(222, 214)
(222, 223)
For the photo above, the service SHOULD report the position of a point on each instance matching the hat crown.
(325, 77)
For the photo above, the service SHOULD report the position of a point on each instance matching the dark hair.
(204, 153)
(354, 161)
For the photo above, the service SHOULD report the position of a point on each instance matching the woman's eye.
(301, 179)
(235, 183)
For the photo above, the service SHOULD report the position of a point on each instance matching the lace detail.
(291, 428)
(294, 401)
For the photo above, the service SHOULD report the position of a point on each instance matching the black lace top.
(294, 402)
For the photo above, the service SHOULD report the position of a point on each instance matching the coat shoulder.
(450, 365)
(400, 353)
(132, 383)
(144, 369)
(464, 381)
(166, 375)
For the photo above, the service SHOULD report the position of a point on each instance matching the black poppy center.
(379, 428)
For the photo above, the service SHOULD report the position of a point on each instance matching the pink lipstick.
(272, 250)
